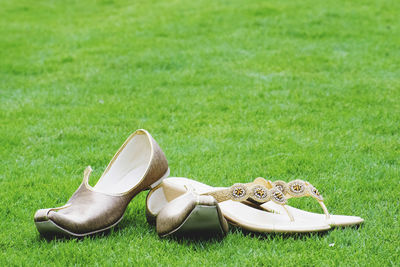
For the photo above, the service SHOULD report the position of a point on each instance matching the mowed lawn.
(231, 90)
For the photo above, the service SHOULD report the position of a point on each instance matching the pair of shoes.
(181, 206)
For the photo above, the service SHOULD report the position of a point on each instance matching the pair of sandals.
(180, 206)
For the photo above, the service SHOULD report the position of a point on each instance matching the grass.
(231, 90)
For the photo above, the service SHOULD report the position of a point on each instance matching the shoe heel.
(202, 221)
(166, 174)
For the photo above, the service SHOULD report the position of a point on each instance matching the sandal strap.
(253, 192)
(297, 188)
(250, 191)
(294, 189)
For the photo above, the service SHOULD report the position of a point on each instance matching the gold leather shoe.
(138, 165)
(186, 215)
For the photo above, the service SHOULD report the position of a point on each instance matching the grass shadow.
(65, 238)
(203, 238)
(125, 222)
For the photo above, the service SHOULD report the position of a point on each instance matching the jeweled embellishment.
(281, 186)
(239, 192)
(278, 196)
(260, 193)
(314, 192)
(297, 188)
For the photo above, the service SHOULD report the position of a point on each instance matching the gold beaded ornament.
(298, 188)
(241, 192)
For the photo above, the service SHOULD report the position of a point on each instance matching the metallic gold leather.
(223, 221)
(158, 166)
(41, 215)
(175, 212)
(150, 217)
(89, 211)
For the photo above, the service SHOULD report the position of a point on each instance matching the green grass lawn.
(231, 90)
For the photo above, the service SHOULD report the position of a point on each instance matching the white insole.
(127, 168)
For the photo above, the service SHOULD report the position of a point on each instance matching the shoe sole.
(49, 227)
